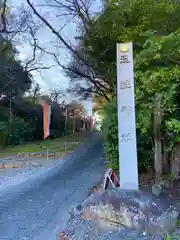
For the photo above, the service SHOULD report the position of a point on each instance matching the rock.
(157, 189)
(133, 209)
(166, 183)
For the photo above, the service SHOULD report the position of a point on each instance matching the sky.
(54, 77)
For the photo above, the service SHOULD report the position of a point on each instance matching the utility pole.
(157, 137)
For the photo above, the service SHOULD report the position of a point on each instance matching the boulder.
(157, 189)
(138, 210)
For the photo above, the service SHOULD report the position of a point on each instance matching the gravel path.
(42, 210)
(87, 230)
(14, 176)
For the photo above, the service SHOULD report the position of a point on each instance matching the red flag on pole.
(46, 119)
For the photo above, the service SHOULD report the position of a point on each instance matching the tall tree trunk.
(157, 137)
(165, 156)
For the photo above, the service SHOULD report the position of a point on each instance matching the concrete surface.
(38, 207)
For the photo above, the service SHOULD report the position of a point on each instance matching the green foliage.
(14, 79)
(167, 237)
(153, 27)
(27, 121)
(144, 150)
(110, 130)
(3, 133)
(20, 132)
(111, 135)
(172, 127)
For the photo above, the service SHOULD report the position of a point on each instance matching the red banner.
(46, 119)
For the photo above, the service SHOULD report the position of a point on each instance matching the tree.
(81, 67)
(74, 111)
(156, 54)
(19, 93)
(99, 103)
(33, 93)
(56, 95)
(14, 80)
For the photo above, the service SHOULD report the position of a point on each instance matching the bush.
(3, 133)
(110, 130)
(20, 132)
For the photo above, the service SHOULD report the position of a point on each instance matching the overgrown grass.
(169, 237)
(54, 145)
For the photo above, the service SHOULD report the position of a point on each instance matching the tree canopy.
(153, 27)
(21, 117)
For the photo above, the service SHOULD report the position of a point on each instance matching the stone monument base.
(138, 210)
